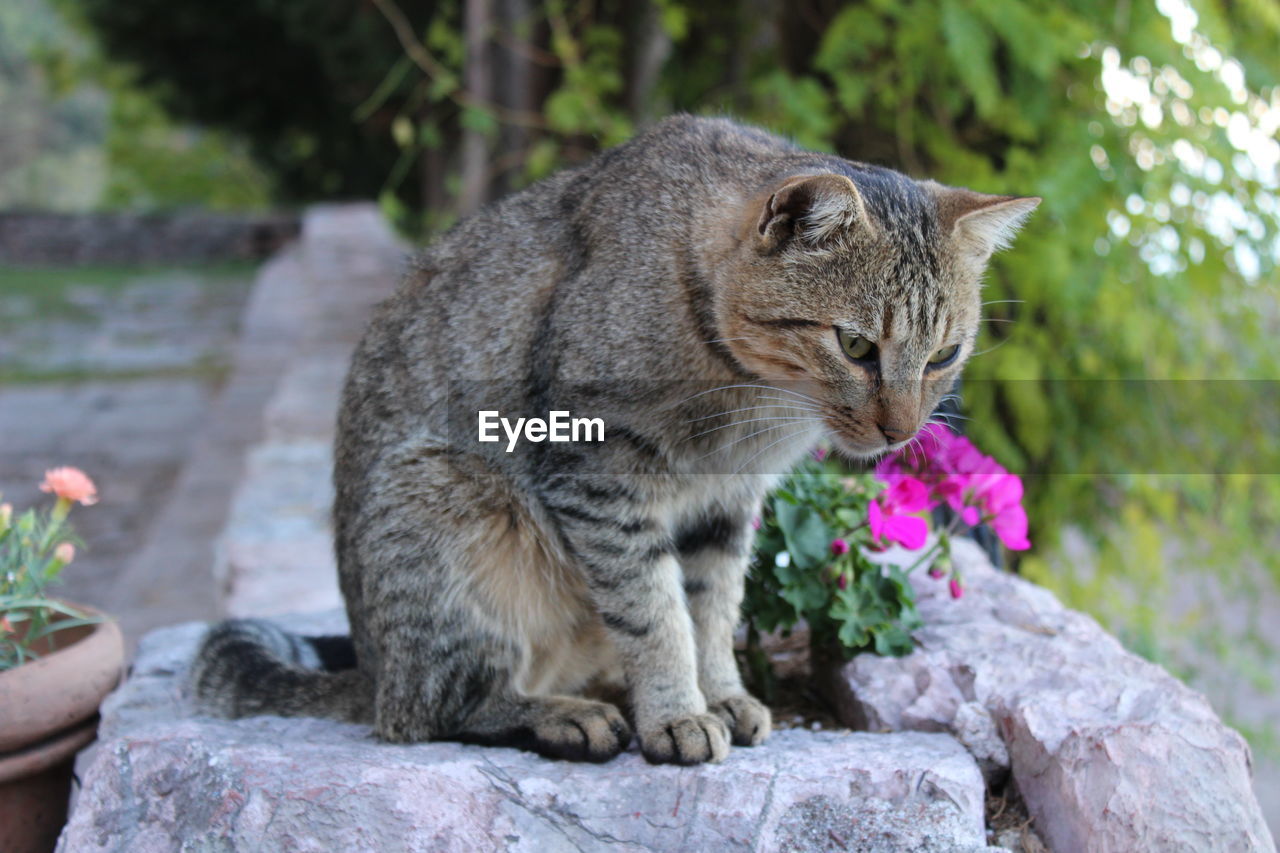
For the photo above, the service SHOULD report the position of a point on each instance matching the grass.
(18, 374)
(38, 304)
(46, 290)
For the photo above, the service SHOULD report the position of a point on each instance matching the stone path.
(113, 371)
(172, 414)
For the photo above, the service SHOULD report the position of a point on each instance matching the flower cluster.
(35, 547)
(943, 467)
(817, 540)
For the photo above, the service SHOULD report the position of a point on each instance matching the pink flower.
(839, 547)
(936, 572)
(755, 523)
(1010, 524)
(910, 531)
(64, 553)
(842, 581)
(956, 589)
(952, 470)
(6, 626)
(819, 453)
(70, 484)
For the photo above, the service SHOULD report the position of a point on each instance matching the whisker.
(1005, 301)
(816, 405)
(990, 349)
(740, 439)
(936, 440)
(723, 340)
(790, 407)
(756, 455)
(805, 397)
(749, 421)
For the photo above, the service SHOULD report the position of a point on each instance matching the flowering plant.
(817, 543)
(34, 549)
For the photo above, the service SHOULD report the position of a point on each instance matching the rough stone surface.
(164, 779)
(1110, 752)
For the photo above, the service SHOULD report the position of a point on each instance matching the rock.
(974, 727)
(165, 779)
(1109, 752)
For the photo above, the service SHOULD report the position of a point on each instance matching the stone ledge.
(165, 779)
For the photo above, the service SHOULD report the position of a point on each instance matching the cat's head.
(861, 291)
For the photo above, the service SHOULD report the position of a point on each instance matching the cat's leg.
(635, 580)
(459, 590)
(714, 549)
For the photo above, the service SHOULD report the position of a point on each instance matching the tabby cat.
(722, 300)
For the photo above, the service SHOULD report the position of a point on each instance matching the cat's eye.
(856, 347)
(944, 356)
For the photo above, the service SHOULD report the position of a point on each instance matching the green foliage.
(80, 134)
(849, 603)
(30, 560)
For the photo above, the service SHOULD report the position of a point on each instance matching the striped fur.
(686, 287)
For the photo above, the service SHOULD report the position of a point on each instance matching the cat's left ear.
(979, 223)
(811, 208)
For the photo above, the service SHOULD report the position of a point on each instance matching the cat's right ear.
(810, 208)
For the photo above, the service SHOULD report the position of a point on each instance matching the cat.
(722, 300)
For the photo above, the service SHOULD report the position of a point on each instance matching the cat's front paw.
(749, 721)
(694, 739)
(580, 730)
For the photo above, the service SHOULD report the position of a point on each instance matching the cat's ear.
(981, 224)
(812, 208)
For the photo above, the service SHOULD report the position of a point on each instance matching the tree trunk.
(475, 190)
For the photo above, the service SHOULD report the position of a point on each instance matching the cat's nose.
(894, 434)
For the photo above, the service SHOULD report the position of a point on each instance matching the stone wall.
(55, 239)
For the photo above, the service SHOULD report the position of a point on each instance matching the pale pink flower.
(64, 553)
(6, 627)
(70, 484)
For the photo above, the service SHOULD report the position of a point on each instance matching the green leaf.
(808, 538)
(972, 53)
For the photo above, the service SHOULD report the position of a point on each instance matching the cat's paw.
(581, 730)
(748, 719)
(694, 739)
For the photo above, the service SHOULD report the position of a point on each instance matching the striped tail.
(247, 667)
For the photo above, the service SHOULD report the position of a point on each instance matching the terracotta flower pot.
(48, 712)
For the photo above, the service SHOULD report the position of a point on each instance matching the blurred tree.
(78, 134)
